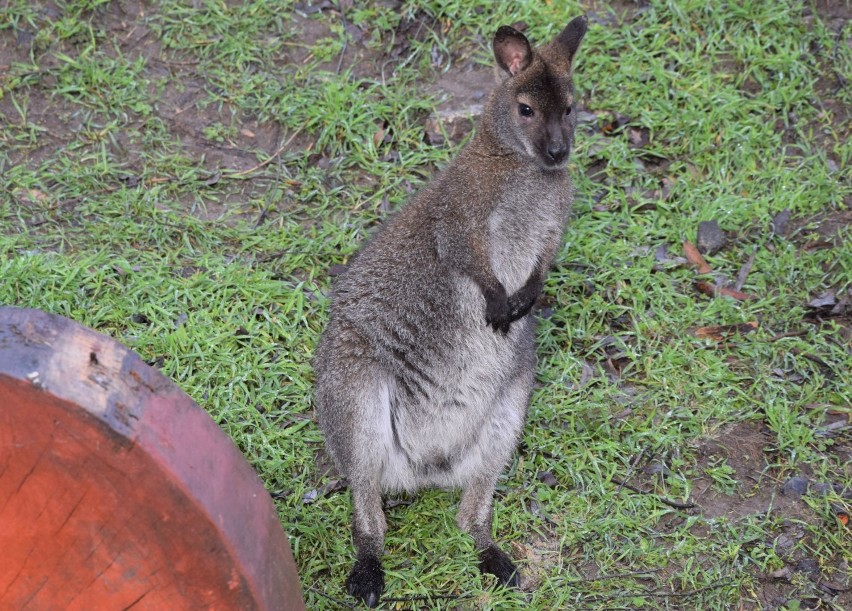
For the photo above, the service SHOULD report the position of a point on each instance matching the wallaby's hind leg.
(367, 579)
(474, 516)
(475, 508)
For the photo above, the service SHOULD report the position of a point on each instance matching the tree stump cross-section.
(117, 491)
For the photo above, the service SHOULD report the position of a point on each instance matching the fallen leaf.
(711, 290)
(745, 270)
(587, 374)
(842, 306)
(666, 187)
(33, 195)
(615, 125)
(638, 137)
(212, 179)
(306, 8)
(334, 485)
(721, 332)
(663, 258)
(391, 503)
(827, 299)
(380, 135)
(694, 258)
(842, 515)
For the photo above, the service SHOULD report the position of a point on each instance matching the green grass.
(118, 211)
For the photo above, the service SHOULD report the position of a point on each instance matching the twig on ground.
(657, 594)
(775, 338)
(342, 603)
(616, 576)
(265, 162)
(345, 37)
(662, 499)
(433, 597)
(745, 270)
(826, 368)
(632, 468)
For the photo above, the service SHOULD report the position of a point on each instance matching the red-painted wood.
(117, 491)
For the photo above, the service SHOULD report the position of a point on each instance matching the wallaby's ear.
(512, 50)
(569, 39)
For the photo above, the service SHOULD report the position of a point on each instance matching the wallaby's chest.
(525, 227)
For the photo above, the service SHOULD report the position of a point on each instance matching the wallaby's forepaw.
(366, 581)
(497, 311)
(520, 304)
(495, 561)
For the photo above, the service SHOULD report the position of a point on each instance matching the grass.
(133, 200)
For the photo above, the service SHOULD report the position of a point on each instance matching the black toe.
(366, 581)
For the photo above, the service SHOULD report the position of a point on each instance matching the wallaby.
(424, 374)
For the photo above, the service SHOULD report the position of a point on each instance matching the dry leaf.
(695, 258)
(721, 332)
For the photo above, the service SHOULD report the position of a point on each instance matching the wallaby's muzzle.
(558, 146)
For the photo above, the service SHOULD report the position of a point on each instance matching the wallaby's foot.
(497, 562)
(367, 580)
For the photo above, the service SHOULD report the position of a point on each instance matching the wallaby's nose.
(557, 152)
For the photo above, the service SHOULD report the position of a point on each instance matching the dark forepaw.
(495, 561)
(520, 304)
(366, 581)
(497, 310)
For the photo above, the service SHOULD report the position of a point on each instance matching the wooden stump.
(117, 491)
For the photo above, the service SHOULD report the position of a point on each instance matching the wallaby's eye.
(525, 110)
(567, 111)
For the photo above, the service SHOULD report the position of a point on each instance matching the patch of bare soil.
(761, 494)
(178, 92)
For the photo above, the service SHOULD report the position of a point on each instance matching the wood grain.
(117, 491)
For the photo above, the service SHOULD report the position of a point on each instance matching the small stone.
(586, 117)
(711, 238)
(820, 489)
(781, 222)
(795, 487)
(782, 574)
(337, 270)
(547, 478)
(783, 545)
(808, 565)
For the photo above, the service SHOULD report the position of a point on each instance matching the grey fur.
(424, 373)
